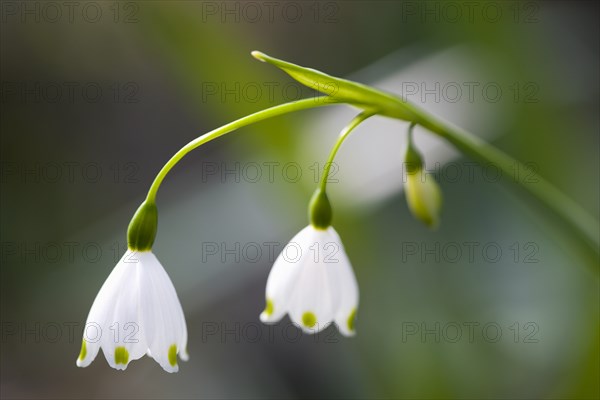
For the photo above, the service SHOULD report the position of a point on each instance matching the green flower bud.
(319, 210)
(413, 160)
(423, 194)
(142, 228)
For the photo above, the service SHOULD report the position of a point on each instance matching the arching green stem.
(374, 101)
(343, 135)
(387, 104)
(247, 120)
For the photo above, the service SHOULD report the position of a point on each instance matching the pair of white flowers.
(137, 310)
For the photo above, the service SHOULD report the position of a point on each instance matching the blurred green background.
(96, 97)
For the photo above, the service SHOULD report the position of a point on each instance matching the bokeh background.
(97, 96)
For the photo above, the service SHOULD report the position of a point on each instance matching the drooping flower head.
(312, 279)
(137, 310)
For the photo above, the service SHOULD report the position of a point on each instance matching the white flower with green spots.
(136, 312)
(312, 281)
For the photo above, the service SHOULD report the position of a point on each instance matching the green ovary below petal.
(83, 351)
(351, 320)
(269, 307)
(309, 319)
(173, 355)
(121, 355)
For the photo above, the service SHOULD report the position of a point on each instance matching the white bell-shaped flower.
(136, 312)
(312, 281)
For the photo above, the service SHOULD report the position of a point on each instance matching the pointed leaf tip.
(343, 90)
(260, 56)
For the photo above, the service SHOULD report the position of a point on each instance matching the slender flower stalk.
(232, 126)
(359, 119)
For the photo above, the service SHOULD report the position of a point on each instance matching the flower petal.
(283, 275)
(346, 280)
(123, 337)
(315, 296)
(96, 328)
(162, 316)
